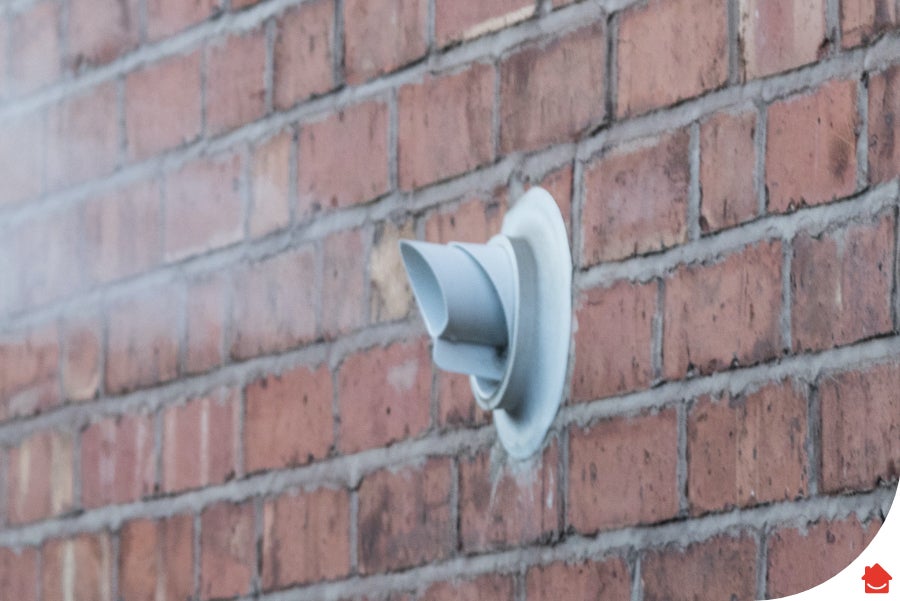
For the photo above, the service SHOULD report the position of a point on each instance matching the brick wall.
(213, 381)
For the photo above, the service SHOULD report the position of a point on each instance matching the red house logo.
(877, 579)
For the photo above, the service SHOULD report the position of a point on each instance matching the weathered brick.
(405, 517)
(84, 131)
(490, 587)
(306, 538)
(622, 315)
(39, 479)
(384, 395)
(778, 35)
(748, 449)
(152, 126)
(382, 35)
(22, 157)
(811, 147)
(205, 323)
(167, 17)
(304, 62)
(670, 51)
(725, 313)
(272, 311)
(204, 206)
(799, 560)
(29, 371)
(156, 559)
(78, 568)
(235, 81)
(143, 339)
(445, 126)
(553, 92)
(34, 34)
(864, 20)
(473, 220)
(860, 428)
(19, 574)
(118, 461)
(841, 285)
(719, 568)
(456, 21)
(389, 292)
(353, 140)
(623, 472)
(199, 441)
(343, 294)
(504, 504)
(559, 184)
(227, 550)
(727, 168)
(602, 580)
(456, 405)
(82, 341)
(280, 407)
(122, 231)
(272, 187)
(636, 199)
(56, 238)
(100, 31)
(884, 125)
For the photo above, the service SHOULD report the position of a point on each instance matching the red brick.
(722, 314)
(382, 35)
(718, 568)
(636, 199)
(82, 341)
(504, 504)
(559, 184)
(623, 313)
(778, 35)
(405, 518)
(670, 51)
(604, 581)
(227, 550)
(864, 20)
(21, 158)
(727, 167)
(884, 125)
(390, 297)
(384, 395)
(860, 428)
(841, 285)
(343, 294)
(455, 21)
(623, 472)
(748, 449)
(306, 538)
(199, 441)
(353, 140)
(473, 220)
(272, 186)
(490, 587)
(142, 339)
(36, 61)
(456, 405)
(152, 126)
(278, 407)
(85, 134)
(811, 147)
(799, 560)
(204, 206)
(240, 4)
(167, 17)
(29, 371)
(99, 32)
(272, 311)
(78, 568)
(39, 479)
(122, 231)
(553, 92)
(304, 61)
(235, 81)
(156, 559)
(19, 574)
(118, 461)
(445, 126)
(205, 323)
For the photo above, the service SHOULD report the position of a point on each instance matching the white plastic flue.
(501, 312)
